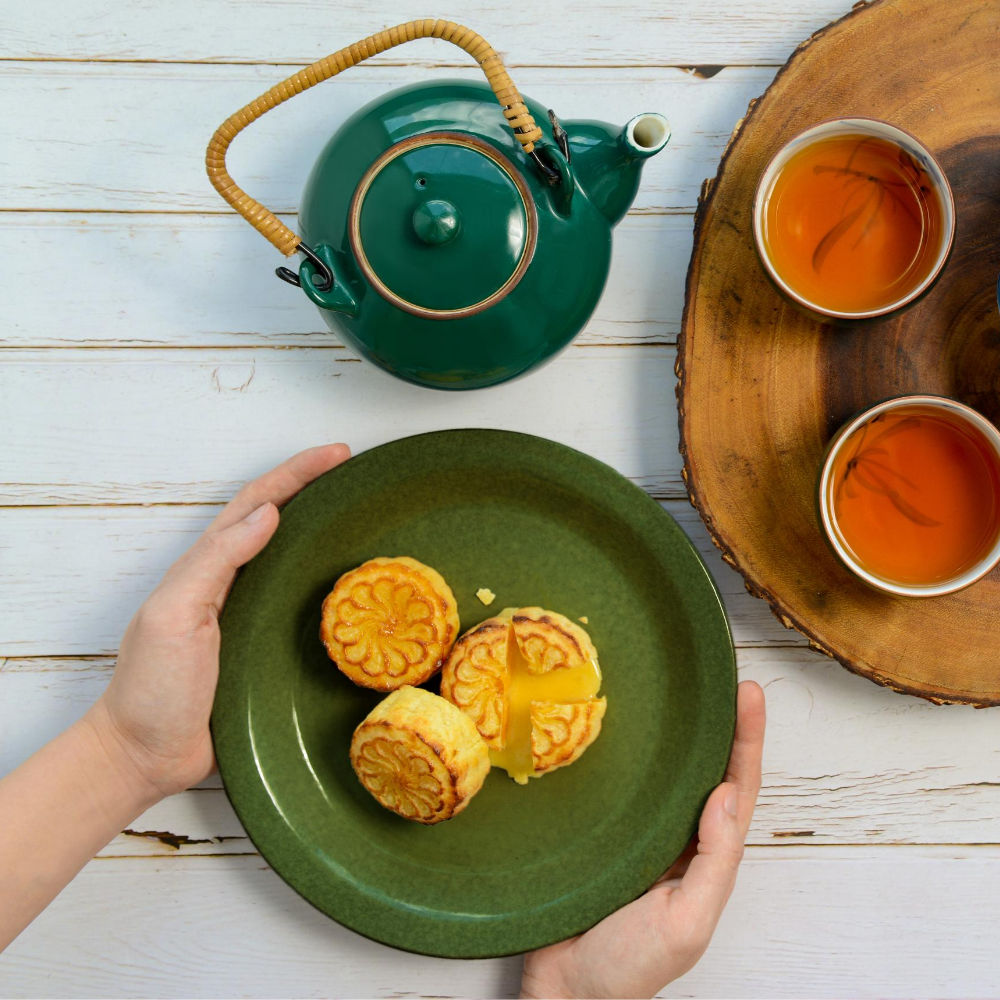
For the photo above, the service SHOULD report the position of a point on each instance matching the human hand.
(156, 709)
(650, 942)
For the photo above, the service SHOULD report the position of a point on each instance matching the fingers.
(726, 817)
(711, 874)
(659, 936)
(281, 483)
(676, 871)
(748, 747)
(201, 578)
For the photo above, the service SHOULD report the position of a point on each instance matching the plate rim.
(722, 636)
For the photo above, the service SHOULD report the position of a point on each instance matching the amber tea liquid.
(915, 496)
(852, 223)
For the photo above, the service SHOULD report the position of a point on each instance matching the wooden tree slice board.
(763, 386)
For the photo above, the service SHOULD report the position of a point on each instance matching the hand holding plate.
(643, 946)
(159, 700)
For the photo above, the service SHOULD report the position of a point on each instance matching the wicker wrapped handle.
(268, 224)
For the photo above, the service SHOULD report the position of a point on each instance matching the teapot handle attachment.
(267, 223)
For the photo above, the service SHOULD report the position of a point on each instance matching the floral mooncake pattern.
(389, 622)
(419, 756)
(528, 678)
(560, 733)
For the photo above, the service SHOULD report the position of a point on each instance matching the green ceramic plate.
(539, 524)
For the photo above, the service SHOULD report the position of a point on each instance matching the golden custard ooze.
(528, 678)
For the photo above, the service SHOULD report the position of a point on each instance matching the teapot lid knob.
(436, 221)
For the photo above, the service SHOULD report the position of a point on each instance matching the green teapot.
(452, 233)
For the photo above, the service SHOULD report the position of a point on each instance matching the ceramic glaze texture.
(522, 866)
(446, 226)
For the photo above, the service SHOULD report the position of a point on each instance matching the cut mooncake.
(419, 756)
(389, 622)
(528, 678)
(561, 732)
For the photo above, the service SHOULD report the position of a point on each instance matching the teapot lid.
(443, 225)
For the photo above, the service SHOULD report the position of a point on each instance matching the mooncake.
(561, 732)
(389, 622)
(528, 678)
(419, 756)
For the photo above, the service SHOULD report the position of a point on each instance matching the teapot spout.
(645, 135)
(607, 162)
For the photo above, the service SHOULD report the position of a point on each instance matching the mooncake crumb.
(486, 595)
(584, 619)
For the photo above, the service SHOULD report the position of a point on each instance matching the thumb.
(711, 876)
(204, 574)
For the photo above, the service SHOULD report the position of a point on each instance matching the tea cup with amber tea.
(853, 219)
(909, 496)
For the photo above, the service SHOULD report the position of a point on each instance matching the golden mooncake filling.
(389, 622)
(419, 756)
(528, 679)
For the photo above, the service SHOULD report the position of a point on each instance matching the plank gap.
(292, 213)
(700, 71)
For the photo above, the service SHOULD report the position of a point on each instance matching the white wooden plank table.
(149, 364)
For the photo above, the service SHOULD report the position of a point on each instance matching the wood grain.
(764, 386)
(802, 922)
(236, 413)
(876, 769)
(96, 564)
(148, 280)
(132, 137)
(622, 33)
(128, 249)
